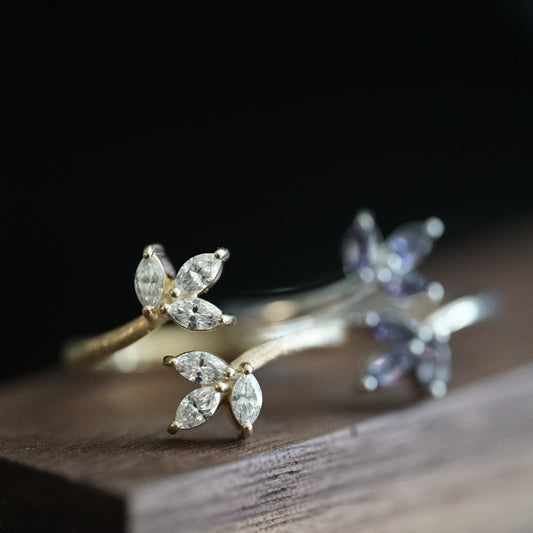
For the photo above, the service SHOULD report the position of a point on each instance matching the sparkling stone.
(361, 244)
(198, 274)
(201, 367)
(197, 407)
(390, 330)
(195, 313)
(407, 285)
(149, 281)
(435, 363)
(410, 243)
(159, 250)
(390, 364)
(246, 399)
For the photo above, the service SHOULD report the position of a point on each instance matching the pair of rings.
(381, 293)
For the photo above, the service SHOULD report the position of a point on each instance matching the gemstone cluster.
(218, 382)
(408, 347)
(390, 262)
(182, 302)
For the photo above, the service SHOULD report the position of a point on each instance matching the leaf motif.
(200, 367)
(195, 314)
(197, 407)
(198, 274)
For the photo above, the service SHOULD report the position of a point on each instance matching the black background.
(258, 128)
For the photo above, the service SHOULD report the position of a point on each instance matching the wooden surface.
(89, 452)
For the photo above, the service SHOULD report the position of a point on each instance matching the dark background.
(262, 129)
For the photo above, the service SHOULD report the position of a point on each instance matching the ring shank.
(262, 335)
(90, 352)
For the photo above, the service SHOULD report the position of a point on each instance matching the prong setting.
(169, 360)
(222, 254)
(434, 227)
(229, 372)
(365, 219)
(173, 427)
(149, 312)
(174, 293)
(246, 368)
(369, 383)
(227, 320)
(148, 251)
(222, 386)
(246, 431)
(164, 309)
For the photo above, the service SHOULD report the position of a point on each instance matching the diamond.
(246, 399)
(198, 274)
(390, 364)
(159, 250)
(361, 244)
(201, 367)
(410, 244)
(195, 313)
(390, 330)
(197, 407)
(149, 281)
(434, 363)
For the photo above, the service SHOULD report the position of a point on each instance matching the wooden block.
(90, 452)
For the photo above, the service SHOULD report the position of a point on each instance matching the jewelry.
(235, 383)
(382, 292)
(164, 296)
(411, 346)
(420, 347)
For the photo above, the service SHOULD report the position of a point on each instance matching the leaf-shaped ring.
(164, 295)
(218, 382)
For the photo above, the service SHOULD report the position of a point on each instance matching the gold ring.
(381, 294)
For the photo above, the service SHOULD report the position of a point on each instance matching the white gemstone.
(195, 313)
(246, 399)
(201, 367)
(149, 281)
(197, 407)
(198, 274)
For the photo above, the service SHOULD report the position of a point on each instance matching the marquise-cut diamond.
(149, 281)
(246, 399)
(410, 244)
(434, 363)
(390, 364)
(195, 313)
(198, 274)
(201, 367)
(197, 407)
(361, 244)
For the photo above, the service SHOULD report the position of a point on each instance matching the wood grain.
(86, 452)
